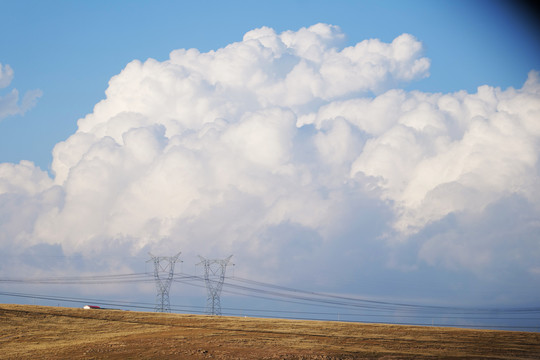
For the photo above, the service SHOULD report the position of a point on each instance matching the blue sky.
(380, 149)
(70, 49)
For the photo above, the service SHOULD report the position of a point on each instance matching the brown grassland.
(39, 332)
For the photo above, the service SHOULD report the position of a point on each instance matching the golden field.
(39, 332)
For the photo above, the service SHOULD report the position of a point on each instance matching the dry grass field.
(38, 332)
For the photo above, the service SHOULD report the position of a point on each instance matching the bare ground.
(38, 332)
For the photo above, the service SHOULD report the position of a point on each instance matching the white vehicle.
(90, 307)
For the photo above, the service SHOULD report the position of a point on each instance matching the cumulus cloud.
(234, 150)
(9, 103)
(6, 75)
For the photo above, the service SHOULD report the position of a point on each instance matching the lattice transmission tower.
(214, 275)
(163, 274)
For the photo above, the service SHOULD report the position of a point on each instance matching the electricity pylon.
(163, 274)
(214, 275)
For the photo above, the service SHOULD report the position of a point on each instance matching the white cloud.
(9, 104)
(26, 193)
(24, 177)
(439, 158)
(223, 151)
(6, 75)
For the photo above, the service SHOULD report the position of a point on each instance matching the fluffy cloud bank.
(9, 104)
(284, 148)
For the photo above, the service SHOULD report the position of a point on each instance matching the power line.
(195, 309)
(285, 292)
(325, 305)
(392, 305)
(385, 313)
(86, 280)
